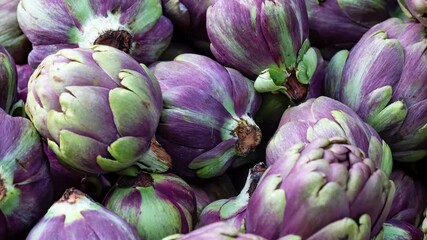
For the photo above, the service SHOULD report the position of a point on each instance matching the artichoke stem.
(249, 136)
(294, 89)
(142, 180)
(159, 152)
(71, 195)
(119, 39)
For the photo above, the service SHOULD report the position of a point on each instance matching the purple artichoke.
(76, 216)
(157, 205)
(7, 80)
(324, 117)
(98, 109)
(399, 230)
(341, 23)
(207, 120)
(410, 199)
(387, 88)
(25, 182)
(267, 39)
(11, 36)
(189, 19)
(415, 9)
(24, 73)
(233, 210)
(134, 26)
(217, 231)
(325, 189)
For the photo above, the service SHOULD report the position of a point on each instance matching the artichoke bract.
(415, 9)
(76, 216)
(325, 189)
(340, 24)
(217, 231)
(383, 79)
(410, 199)
(207, 120)
(98, 109)
(324, 117)
(268, 39)
(11, 36)
(399, 230)
(25, 182)
(7, 80)
(233, 210)
(157, 205)
(134, 26)
(23, 73)
(189, 19)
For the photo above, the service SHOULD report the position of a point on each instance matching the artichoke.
(134, 26)
(325, 189)
(7, 80)
(324, 117)
(97, 108)
(157, 205)
(340, 24)
(25, 182)
(24, 73)
(207, 120)
(76, 216)
(233, 210)
(268, 39)
(410, 199)
(217, 231)
(11, 36)
(383, 79)
(415, 9)
(189, 19)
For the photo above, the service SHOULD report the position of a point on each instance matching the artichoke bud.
(81, 218)
(7, 80)
(166, 196)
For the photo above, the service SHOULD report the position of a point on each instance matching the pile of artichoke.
(213, 119)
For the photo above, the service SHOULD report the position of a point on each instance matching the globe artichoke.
(325, 189)
(23, 73)
(233, 210)
(410, 199)
(324, 117)
(25, 182)
(7, 80)
(11, 36)
(97, 108)
(189, 19)
(165, 196)
(134, 26)
(340, 24)
(387, 88)
(207, 120)
(416, 9)
(217, 231)
(76, 216)
(268, 39)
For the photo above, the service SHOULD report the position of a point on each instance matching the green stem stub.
(248, 137)
(119, 39)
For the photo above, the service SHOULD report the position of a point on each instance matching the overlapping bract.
(383, 80)
(324, 117)
(25, 182)
(134, 26)
(416, 9)
(325, 189)
(207, 118)
(97, 108)
(7, 80)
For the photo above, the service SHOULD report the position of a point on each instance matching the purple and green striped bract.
(97, 107)
(7, 80)
(207, 120)
(134, 26)
(25, 182)
(76, 216)
(157, 205)
(416, 9)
